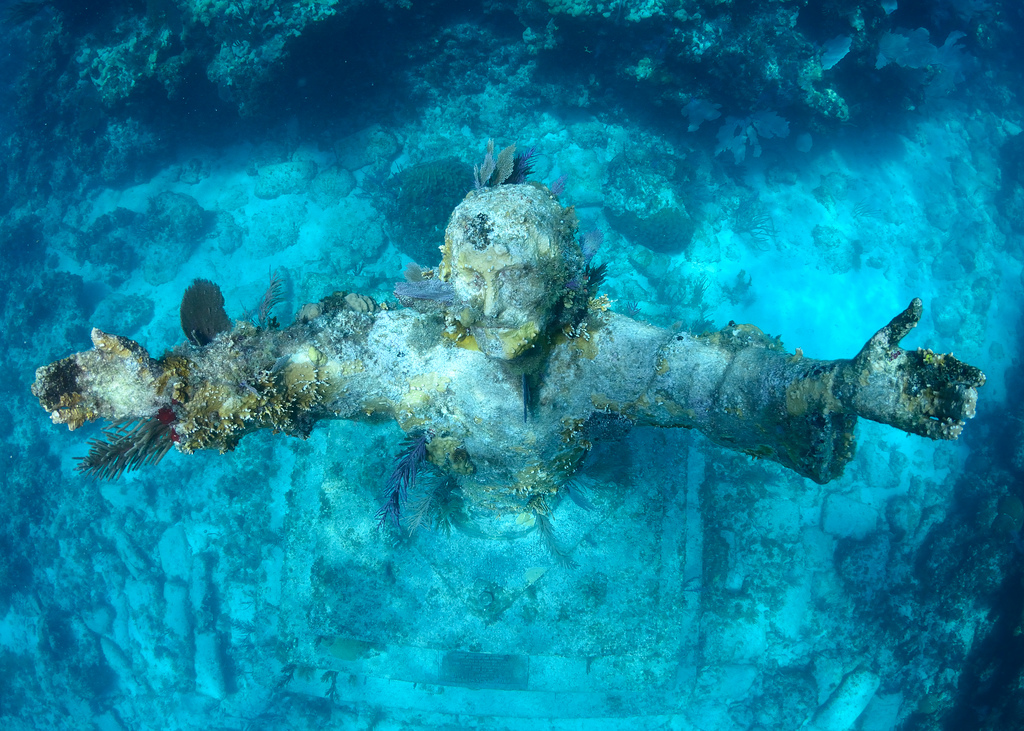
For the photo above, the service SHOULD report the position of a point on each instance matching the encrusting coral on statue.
(508, 363)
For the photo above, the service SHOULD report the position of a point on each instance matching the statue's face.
(505, 253)
(507, 300)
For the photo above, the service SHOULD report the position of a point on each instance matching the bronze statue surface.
(506, 364)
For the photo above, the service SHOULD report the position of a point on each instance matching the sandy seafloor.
(253, 590)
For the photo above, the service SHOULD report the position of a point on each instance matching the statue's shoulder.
(410, 330)
(611, 334)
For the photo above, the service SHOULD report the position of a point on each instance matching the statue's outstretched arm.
(210, 396)
(741, 389)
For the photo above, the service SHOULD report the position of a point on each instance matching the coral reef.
(664, 222)
(417, 201)
(151, 142)
(135, 78)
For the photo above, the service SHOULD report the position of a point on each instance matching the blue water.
(805, 167)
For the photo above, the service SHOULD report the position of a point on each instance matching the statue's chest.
(491, 398)
(486, 406)
(503, 436)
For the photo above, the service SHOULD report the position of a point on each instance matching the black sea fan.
(203, 315)
(595, 277)
(414, 452)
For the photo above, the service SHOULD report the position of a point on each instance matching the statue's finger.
(890, 335)
(901, 325)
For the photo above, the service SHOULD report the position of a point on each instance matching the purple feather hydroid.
(414, 452)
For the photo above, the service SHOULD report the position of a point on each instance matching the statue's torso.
(505, 447)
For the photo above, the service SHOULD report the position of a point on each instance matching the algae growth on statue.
(504, 365)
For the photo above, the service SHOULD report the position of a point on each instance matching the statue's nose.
(490, 302)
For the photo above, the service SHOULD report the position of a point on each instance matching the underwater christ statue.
(503, 367)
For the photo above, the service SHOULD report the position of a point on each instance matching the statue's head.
(511, 255)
